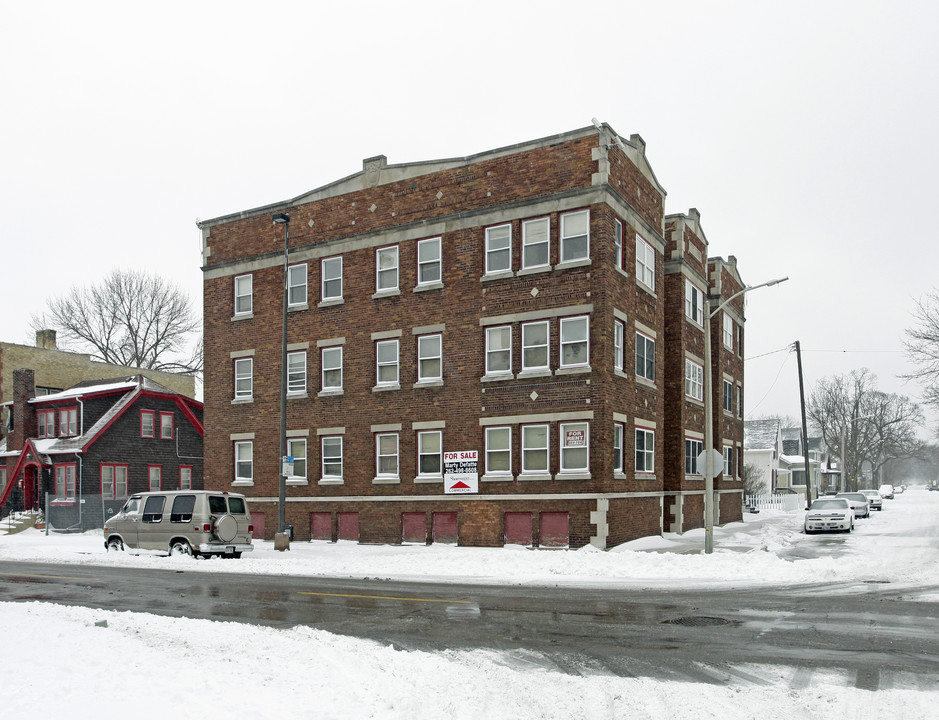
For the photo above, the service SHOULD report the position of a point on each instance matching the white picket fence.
(775, 502)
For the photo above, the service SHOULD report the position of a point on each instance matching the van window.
(132, 505)
(182, 508)
(237, 506)
(217, 505)
(153, 509)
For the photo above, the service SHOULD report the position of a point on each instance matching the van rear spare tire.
(226, 528)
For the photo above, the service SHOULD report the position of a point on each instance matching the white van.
(182, 522)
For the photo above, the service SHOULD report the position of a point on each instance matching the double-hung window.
(113, 481)
(296, 372)
(244, 378)
(575, 447)
(645, 263)
(575, 341)
(386, 362)
(499, 350)
(296, 448)
(727, 397)
(296, 285)
(332, 457)
(386, 455)
(147, 423)
(331, 278)
(535, 350)
(429, 358)
(618, 243)
(498, 249)
(185, 477)
(693, 448)
(386, 269)
(499, 451)
(645, 450)
(430, 453)
(166, 426)
(68, 422)
(536, 243)
(728, 332)
(244, 295)
(618, 447)
(154, 477)
(575, 236)
(534, 449)
(332, 368)
(728, 462)
(694, 380)
(618, 333)
(645, 357)
(428, 261)
(244, 461)
(694, 302)
(65, 481)
(46, 422)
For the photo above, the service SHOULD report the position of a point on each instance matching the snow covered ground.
(150, 665)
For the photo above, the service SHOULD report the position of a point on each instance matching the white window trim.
(619, 435)
(420, 454)
(294, 390)
(645, 348)
(291, 285)
(547, 242)
(646, 452)
(546, 448)
(507, 349)
(565, 237)
(728, 332)
(249, 376)
(397, 364)
(396, 476)
(571, 321)
(727, 384)
(619, 335)
(296, 479)
(323, 279)
(239, 480)
(421, 378)
(694, 380)
(618, 234)
(696, 471)
(645, 272)
(547, 346)
(694, 303)
(438, 262)
(562, 451)
(250, 295)
(379, 270)
(332, 349)
(488, 251)
(325, 477)
(490, 473)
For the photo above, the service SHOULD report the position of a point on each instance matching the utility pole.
(805, 432)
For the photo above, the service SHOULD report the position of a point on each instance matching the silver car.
(831, 514)
(182, 522)
(858, 502)
(873, 499)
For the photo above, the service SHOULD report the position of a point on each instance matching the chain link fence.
(87, 512)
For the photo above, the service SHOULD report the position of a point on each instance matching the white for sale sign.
(461, 472)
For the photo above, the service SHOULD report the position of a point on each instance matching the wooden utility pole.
(805, 431)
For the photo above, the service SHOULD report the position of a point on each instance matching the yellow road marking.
(383, 597)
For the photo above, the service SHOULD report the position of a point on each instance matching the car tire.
(180, 547)
(115, 545)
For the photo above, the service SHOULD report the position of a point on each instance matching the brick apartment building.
(531, 303)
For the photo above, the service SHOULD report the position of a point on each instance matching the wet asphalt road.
(876, 637)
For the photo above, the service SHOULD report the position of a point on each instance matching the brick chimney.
(24, 414)
(45, 339)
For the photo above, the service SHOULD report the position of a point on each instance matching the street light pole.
(283, 219)
(709, 417)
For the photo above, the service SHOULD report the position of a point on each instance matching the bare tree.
(753, 482)
(131, 318)
(876, 427)
(922, 346)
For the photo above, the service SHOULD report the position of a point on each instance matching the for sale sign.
(461, 472)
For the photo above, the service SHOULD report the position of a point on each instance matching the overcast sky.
(804, 132)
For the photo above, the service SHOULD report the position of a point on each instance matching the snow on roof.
(760, 434)
(89, 387)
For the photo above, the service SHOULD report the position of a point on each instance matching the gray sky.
(804, 132)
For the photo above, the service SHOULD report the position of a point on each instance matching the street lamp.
(283, 219)
(844, 463)
(709, 417)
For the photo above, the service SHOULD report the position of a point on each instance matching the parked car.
(886, 492)
(858, 502)
(873, 499)
(898, 489)
(182, 522)
(829, 513)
